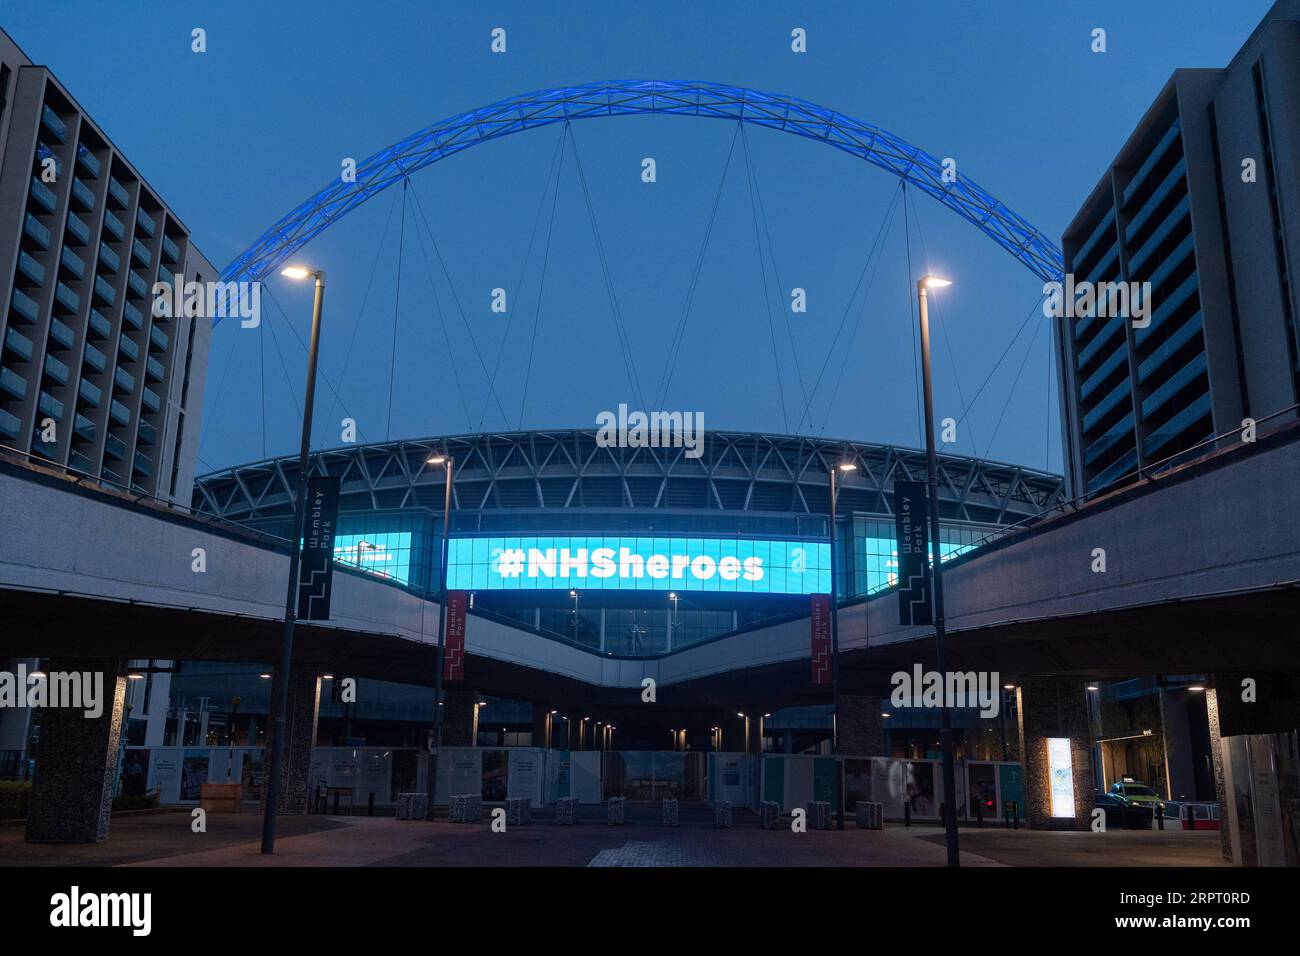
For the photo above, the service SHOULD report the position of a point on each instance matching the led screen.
(384, 553)
(640, 563)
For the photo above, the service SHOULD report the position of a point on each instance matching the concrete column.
(458, 714)
(860, 727)
(300, 737)
(541, 724)
(76, 760)
(1054, 707)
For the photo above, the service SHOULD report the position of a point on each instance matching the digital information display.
(387, 554)
(638, 563)
(1060, 771)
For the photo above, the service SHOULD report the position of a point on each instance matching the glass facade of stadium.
(745, 494)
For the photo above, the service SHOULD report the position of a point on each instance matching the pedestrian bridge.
(1202, 567)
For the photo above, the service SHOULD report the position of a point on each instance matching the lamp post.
(445, 460)
(844, 466)
(295, 554)
(940, 642)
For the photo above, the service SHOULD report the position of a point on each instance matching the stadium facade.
(761, 501)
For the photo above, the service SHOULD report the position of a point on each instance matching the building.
(1202, 202)
(90, 378)
(747, 495)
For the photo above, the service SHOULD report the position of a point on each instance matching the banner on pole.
(316, 569)
(453, 656)
(820, 617)
(911, 524)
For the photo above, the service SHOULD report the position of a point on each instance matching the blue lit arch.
(676, 98)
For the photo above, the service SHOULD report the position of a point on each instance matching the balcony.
(137, 284)
(140, 252)
(150, 400)
(115, 448)
(18, 343)
(56, 370)
(132, 316)
(123, 382)
(114, 225)
(44, 195)
(99, 325)
(88, 161)
(118, 193)
(67, 298)
(104, 291)
(47, 404)
(33, 270)
(12, 383)
(143, 465)
(154, 370)
(158, 339)
(146, 434)
(72, 262)
(78, 228)
(108, 476)
(83, 194)
(171, 251)
(110, 258)
(61, 333)
(126, 346)
(95, 358)
(50, 120)
(38, 233)
(9, 424)
(90, 393)
(25, 306)
(83, 427)
(145, 221)
(119, 413)
(79, 462)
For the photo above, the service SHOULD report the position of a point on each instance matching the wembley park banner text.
(739, 565)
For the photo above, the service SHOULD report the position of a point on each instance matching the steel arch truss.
(738, 472)
(675, 98)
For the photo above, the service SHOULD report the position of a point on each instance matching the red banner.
(453, 654)
(820, 620)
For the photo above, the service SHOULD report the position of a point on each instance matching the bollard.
(1160, 816)
(370, 805)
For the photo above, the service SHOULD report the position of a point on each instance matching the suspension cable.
(541, 282)
(523, 270)
(767, 299)
(771, 251)
(848, 310)
(629, 359)
(679, 333)
(397, 302)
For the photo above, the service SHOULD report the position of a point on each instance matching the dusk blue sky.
(235, 137)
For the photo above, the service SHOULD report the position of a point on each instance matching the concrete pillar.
(541, 724)
(1054, 707)
(458, 715)
(76, 760)
(300, 737)
(860, 727)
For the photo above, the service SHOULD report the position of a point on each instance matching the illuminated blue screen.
(636, 563)
(386, 553)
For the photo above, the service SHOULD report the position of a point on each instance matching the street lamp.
(295, 554)
(445, 460)
(845, 467)
(924, 284)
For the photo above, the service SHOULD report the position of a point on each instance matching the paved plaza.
(165, 839)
